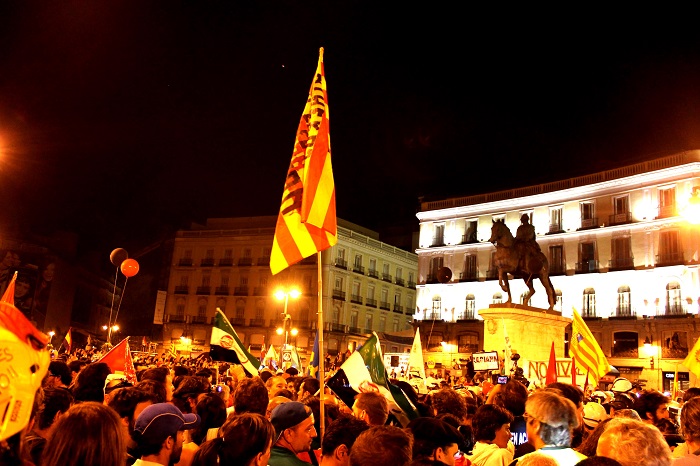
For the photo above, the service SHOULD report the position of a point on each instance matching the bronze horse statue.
(520, 259)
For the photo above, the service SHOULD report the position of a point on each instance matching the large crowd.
(198, 412)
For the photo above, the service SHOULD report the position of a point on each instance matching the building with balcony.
(225, 264)
(621, 250)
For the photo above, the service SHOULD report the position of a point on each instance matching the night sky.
(125, 120)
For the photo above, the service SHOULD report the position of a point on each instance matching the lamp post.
(113, 328)
(282, 294)
(51, 334)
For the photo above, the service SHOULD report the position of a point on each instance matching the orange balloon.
(130, 267)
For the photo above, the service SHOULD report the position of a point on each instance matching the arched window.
(469, 307)
(625, 345)
(240, 308)
(221, 304)
(624, 306)
(589, 303)
(674, 305)
(202, 308)
(437, 308)
(497, 298)
(559, 302)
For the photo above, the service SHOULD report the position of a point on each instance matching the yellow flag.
(692, 362)
(586, 350)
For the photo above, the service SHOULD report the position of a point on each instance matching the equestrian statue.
(521, 257)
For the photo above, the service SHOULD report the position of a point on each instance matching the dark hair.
(691, 393)
(690, 419)
(181, 371)
(512, 397)
(212, 411)
(375, 405)
(77, 365)
(648, 403)
(598, 461)
(125, 400)
(285, 393)
(292, 371)
(447, 400)
(331, 411)
(429, 434)
(384, 445)
(56, 400)
(465, 431)
(204, 372)
(159, 374)
(61, 369)
(568, 391)
(154, 388)
(90, 383)
(190, 387)
(240, 440)
(342, 431)
(250, 397)
(487, 420)
(265, 375)
(88, 433)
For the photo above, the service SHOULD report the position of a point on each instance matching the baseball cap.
(593, 414)
(289, 415)
(162, 420)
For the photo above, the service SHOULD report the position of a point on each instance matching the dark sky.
(122, 119)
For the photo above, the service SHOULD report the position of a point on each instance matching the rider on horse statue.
(525, 242)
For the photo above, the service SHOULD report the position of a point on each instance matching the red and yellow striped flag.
(307, 222)
(586, 351)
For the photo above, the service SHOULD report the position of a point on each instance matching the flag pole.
(321, 356)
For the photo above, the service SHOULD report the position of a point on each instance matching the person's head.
(593, 414)
(187, 393)
(572, 393)
(339, 438)
(90, 383)
(634, 443)
(275, 384)
(158, 431)
(690, 420)
(383, 445)
(244, 439)
(371, 407)
(538, 459)
(524, 218)
(491, 424)
(180, 371)
(250, 397)
(59, 374)
(212, 411)
(309, 386)
(155, 389)
(512, 396)
(56, 402)
(294, 426)
(434, 439)
(596, 461)
(691, 393)
(75, 367)
(275, 402)
(129, 402)
(447, 400)
(88, 433)
(652, 407)
(22, 286)
(590, 441)
(550, 419)
(162, 376)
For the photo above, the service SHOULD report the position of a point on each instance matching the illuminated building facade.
(622, 249)
(367, 286)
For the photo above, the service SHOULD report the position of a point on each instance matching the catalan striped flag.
(68, 341)
(307, 222)
(586, 351)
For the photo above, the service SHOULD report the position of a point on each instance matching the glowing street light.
(282, 294)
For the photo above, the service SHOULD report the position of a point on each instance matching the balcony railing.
(621, 263)
(492, 274)
(624, 312)
(356, 298)
(469, 276)
(238, 321)
(207, 262)
(386, 277)
(339, 294)
(675, 309)
(399, 281)
(667, 211)
(588, 313)
(433, 316)
(240, 291)
(263, 261)
(620, 219)
(226, 262)
(332, 327)
(468, 348)
(356, 330)
(467, 240)
(557, 268)
(412, 284)
(384, 305)
(409, 311)
(341, 263)
(371, 302)
(185, 262)
(177, 318)
(358, 269)
(398, 308)
(588, 266)
(182, 289)
(199, 320)
(260, 291)
(373, 273)
(465, 315)
(672, 258)
(589, 223)
(305, 324)
(438, 241)
(555, 228)
(204, 290)
(245, 261)
(257, 322)
(222, 290)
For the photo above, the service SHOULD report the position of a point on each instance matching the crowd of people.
(199, 412)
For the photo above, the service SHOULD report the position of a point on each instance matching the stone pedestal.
(531, 330)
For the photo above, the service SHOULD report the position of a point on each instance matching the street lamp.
(113, 328)
(51, 334)
(282, 294)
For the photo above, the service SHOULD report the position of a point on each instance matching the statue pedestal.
(531, 330)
